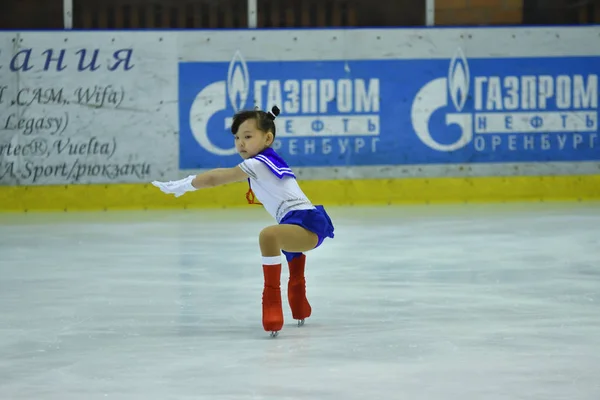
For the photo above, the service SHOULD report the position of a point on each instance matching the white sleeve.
(254, 169)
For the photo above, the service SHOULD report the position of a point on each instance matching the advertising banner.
(86, 108)
(125, 107)
(397, 112)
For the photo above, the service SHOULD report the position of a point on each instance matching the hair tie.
(273, 113)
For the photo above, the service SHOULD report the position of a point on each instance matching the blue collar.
(275, 163)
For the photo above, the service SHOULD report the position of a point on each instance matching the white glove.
(178, 188)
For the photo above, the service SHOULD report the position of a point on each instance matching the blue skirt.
(316, 220)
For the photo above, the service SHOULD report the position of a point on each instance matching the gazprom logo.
(213, 99)
(326, 115)
(434, 96)
(458, 80)
(510, 112)
(238, 82)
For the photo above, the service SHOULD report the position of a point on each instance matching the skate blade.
(274, 334)
(300, 323)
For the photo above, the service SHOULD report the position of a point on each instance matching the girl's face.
(249, 140)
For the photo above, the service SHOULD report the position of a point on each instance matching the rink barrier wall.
(369, 116)
(329, 193)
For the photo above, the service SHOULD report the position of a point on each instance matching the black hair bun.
(273, 113)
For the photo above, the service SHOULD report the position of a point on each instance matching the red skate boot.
(272, 311)
(297, 290)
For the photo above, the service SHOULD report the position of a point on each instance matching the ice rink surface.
(466, 302)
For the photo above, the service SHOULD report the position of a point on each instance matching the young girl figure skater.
(300, 227)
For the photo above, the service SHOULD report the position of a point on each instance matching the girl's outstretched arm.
(217, 177)
(212, 178)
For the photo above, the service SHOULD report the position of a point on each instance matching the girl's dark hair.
(264, 121)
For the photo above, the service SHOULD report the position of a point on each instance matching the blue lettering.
(91, 65)
(120, 59)
(536, 122)
(482, 122)
(345, 120)
(508, 122)
(24, 66)
(373, 126)
(590, 121)
(318, 125)
(59, 67)
(288, 126)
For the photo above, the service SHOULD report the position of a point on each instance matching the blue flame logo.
(458, 80)
(238, 82)
(436, 95)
